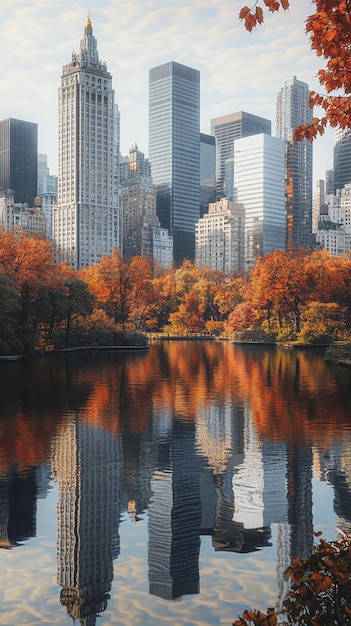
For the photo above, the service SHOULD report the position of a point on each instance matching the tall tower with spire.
(85, 224)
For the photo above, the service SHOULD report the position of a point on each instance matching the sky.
(239, 71)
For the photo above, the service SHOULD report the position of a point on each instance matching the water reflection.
(199, 439)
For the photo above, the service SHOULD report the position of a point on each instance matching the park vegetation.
(45, 305)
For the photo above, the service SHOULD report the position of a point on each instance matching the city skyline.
(234, 78)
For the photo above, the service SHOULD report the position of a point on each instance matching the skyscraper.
(142, 233)
(19, 159)
(207, 171)
(138, 204)
(292, 111)
(227, 128)
(342, 159)
(86, 218)
(259, 164)
(174, 151)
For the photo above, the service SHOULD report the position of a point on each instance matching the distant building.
(318, 202)
(334, 225)
(22, 218)
(259, 168)
(226, 129)
(162, 246)
(140, 224)
(47, 191)
(342, 159)
(220, 237)
(85, 222)
(329, 182)
(207, 171)
(19, 159)
(292, 111)
(138, 204)
(174, 151)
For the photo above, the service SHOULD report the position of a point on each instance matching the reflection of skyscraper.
(175, 518)
(17, 507)
(86, 465)
(174, 151)
(299, 474)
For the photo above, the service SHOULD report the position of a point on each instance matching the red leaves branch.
(329, 30)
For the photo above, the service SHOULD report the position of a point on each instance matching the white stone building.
(85, 222)
(20, 217)
(220, 237)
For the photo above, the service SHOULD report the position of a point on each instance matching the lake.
(166, 486)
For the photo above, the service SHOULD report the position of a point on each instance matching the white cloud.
(238, 70)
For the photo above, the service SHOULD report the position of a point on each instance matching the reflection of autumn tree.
(286, 391)
(283, 390)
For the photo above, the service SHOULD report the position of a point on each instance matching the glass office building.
(226, 129)
(19, 159)
(342, 160)
(292, 111)
(174, 152)
(259, 166)
(207, 171)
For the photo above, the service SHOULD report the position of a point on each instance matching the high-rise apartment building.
(174, 151)
(220, 237)
(259, 166)
(138, 204)
(86, 218)
(292, 111)
(226, 129)
(142, 232)
(19, 159)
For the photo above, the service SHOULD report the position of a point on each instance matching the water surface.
(168, 486)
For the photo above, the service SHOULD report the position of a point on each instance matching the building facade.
(292, 111)
(19, 159)
(138, 204)
(142, 232)
(207, 171)
(226, 129)
(86, 218)
(259, 166)
(174, 152)
(220, 237)
(342, 159)
(47, 191)
(22, 218)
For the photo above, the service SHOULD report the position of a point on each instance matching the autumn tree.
(35, 271)
(319, 592)
(78, 302)
(329, 31)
